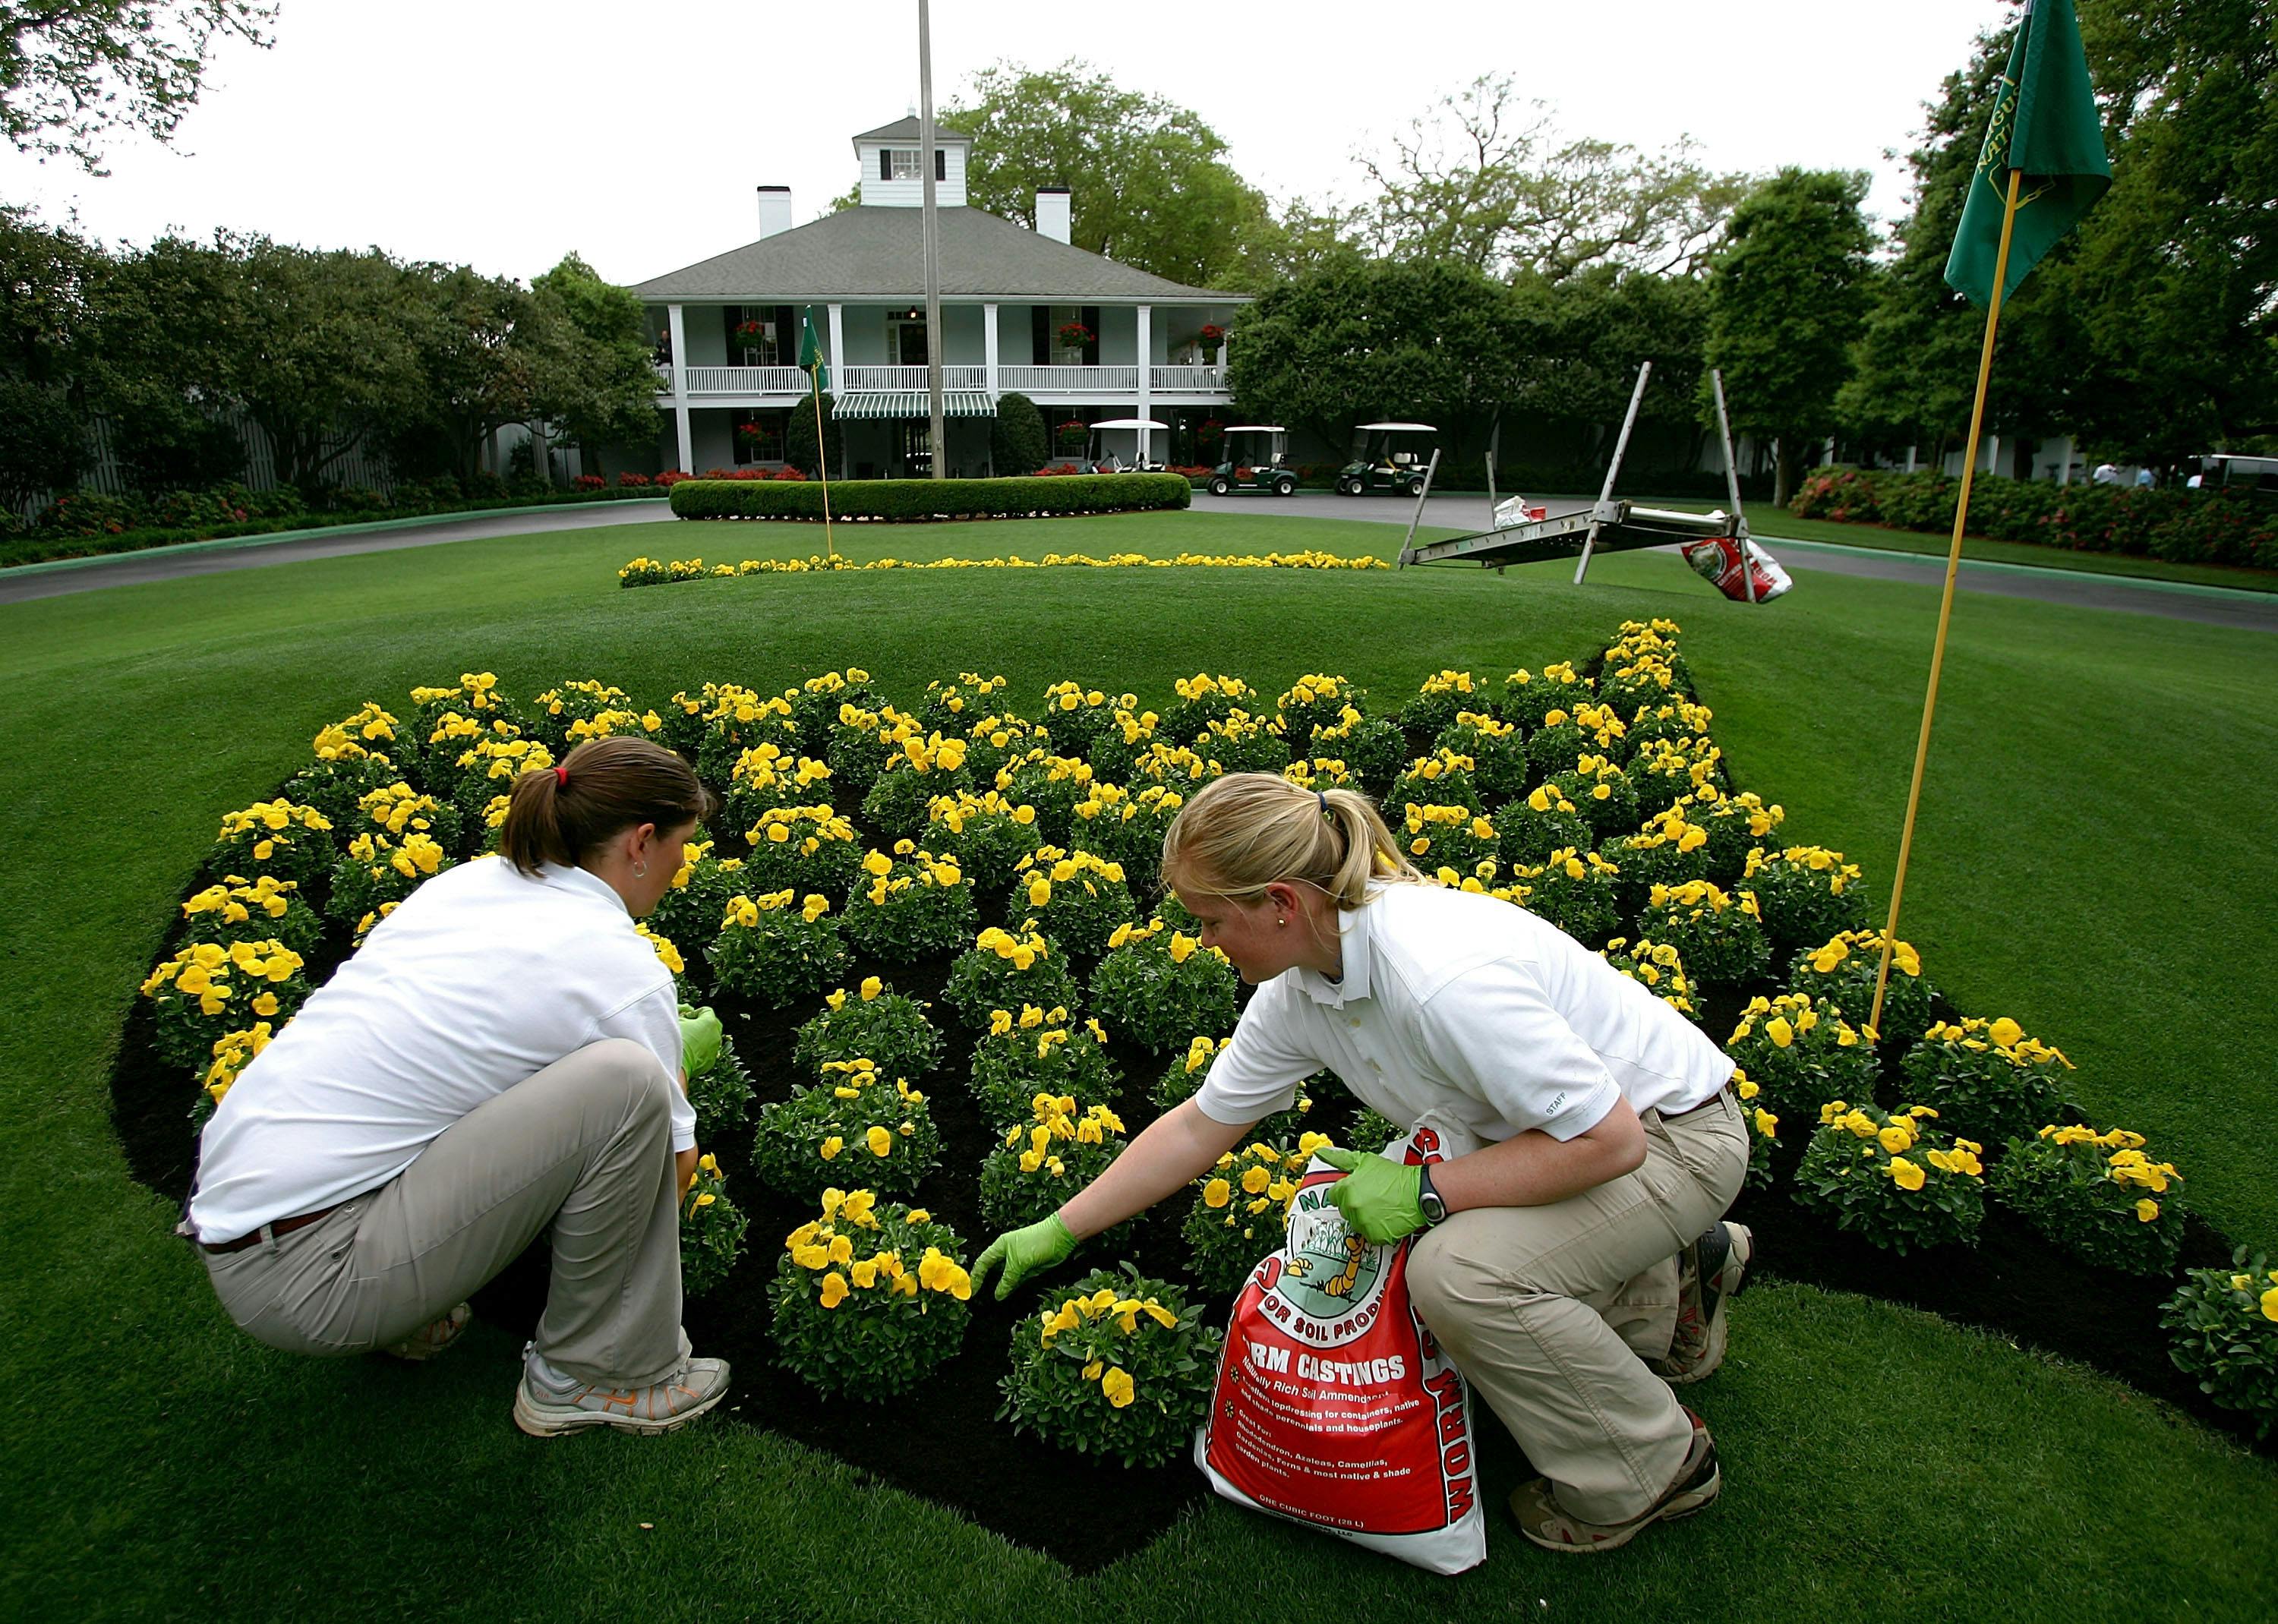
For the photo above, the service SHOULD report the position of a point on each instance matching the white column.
(1993, 454)
(2064, 474)
(988, 348)
(838, 343)
(1146, 373)
(679, 330)
(1910, 459)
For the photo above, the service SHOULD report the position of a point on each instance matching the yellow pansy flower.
(834, 1289)
(1905, 1174)
(1120, 1390)
(880, 1140)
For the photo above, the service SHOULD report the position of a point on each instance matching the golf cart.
(1255, 462)
(1387, 460)
(1101, 460)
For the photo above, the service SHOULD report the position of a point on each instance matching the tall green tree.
(43, 308)
(592, 372)
(475, 356)
(73, 72)
(1148, 179)
(1484, 179)
(1787, 294)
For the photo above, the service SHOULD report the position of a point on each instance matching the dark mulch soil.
(944, 1442)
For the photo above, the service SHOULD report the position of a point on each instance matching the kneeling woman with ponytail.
(1572, 1257)
(504, 1057)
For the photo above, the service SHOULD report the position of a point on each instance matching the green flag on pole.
(810, 356)
(2044, 123)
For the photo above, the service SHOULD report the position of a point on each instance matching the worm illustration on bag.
(1334, 1406)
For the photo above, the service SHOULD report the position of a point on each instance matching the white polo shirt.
(484, 976)
(1471, 1010)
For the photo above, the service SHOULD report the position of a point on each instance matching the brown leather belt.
(1704, 1105)
(283, 1226)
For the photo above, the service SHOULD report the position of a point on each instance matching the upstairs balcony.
(778, 385)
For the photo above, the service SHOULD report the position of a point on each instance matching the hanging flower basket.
(1073, 432)
(1074, 334)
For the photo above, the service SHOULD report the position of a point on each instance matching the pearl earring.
(1280, 921)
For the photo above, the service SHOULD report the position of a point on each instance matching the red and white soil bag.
(1743, 571)
(1335, 1407)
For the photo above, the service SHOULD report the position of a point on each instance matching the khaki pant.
(583, 1145)
(1550, 1311)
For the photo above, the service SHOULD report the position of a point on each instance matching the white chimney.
(1053, 208)
(775, 210)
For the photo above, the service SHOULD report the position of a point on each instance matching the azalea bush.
(1158, 986)
(2223, 1329)
(1040, 1162)
(857, 1124)
(908, 905)
(803, 848)
(869, 1300)
(777, 949)
(1801, 1053)
(987, 835)
(1121, 1365)
(207, 991)
(711, 1230)
(1987, 1078)
(877, 1024)
(1804, 895)
(276, 838)
(2097, 1195)
(1242, 1209)
(1004, 971)
(1892, 1178)
(1717, 934)
(264, 909)
(1842, 971)
(1076, 897)
(1037, 1054)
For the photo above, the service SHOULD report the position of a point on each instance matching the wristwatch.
(1428, 1198)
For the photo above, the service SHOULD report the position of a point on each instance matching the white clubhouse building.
(1022, 311)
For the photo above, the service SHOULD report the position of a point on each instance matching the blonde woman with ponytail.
(1570, 1249)
(504, 1056)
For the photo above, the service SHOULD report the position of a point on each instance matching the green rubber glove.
(1379, 1198)
(1024, 1252)
(700, 1040)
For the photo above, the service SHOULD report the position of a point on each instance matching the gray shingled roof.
(872, 253)
(906, 129)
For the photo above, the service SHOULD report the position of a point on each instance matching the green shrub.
(1373, 749)
(1664, 773)
(377, 873)
(867, 1301)
(1763, 1131)
(1241, 1210)
(857, 1124)
(1040, 1162)
(769, 776)
(819, 704)
(1737, 825)
(1667, 851)
(1987, 1078)
(1603, 793)
(803, 848)
(1078, 716)
(994, 743)
(1574, 890)
(1158, 987)
(711, 1230)
(1119, 1365)
(1842, 971)
(1018, 443)
(1128, 827)
(806, 445)
(1717, 934)
(1036, 1055)
(1438, 699)
(236, 909)
(1494, 748)
(1891, 1178)
(2094, 1195)
(334, 785)
(1527, 831)
(1449, 839)
(721, 1094)
(1121, 743)
(862, 740)
(922, 499)
(1243, 742)
(555, 712)
(901, 798)
(877, 1023)
(1204, 700)
(777, 950)
(1317, 702)
(1655, 966)
(1075, 897)
(1372, 1131)
(1529, 696)
(2225, 1336)
(904, 907)
(952, 707)
(1804, 895)
(1441, 779)
(986, 834)
(275, 838)
(693, 909)
(206, 992)
(1001, 970)
(1802, 1054)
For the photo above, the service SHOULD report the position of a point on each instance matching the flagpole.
(1945, 603)
(822, 463)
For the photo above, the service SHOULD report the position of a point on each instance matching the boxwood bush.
(917, 499)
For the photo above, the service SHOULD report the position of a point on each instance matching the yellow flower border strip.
(654, 572)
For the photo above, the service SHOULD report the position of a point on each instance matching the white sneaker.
(544, 1410)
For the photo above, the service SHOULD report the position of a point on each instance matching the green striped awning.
(912, 403)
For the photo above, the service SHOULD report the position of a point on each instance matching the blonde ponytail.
(1239, 833)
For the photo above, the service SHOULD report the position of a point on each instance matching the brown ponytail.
(1239, 833)
(602, 787)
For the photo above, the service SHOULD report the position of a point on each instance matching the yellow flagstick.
(822, 453)
(1945, 604)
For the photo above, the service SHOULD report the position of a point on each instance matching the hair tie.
(561, 777)
(1324, 800)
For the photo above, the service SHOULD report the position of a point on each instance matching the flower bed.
(652, 572)
(1054, 1002)
(906, 501)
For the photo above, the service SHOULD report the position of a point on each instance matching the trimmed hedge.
(916, 501)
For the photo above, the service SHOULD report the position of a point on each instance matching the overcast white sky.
(504, 136)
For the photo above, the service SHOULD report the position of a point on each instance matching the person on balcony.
(503, 1057)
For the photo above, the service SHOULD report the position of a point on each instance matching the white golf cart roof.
(1255, 428)
(1129, 423)
(1397, 428)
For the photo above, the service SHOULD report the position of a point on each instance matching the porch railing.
(1028, 380)
(853, 377)
(1187, 380)
(745, 380)
(1068, 380)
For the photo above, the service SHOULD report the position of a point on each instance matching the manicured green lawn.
(2091, 861)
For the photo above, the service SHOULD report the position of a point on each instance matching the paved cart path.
(2212, 605)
